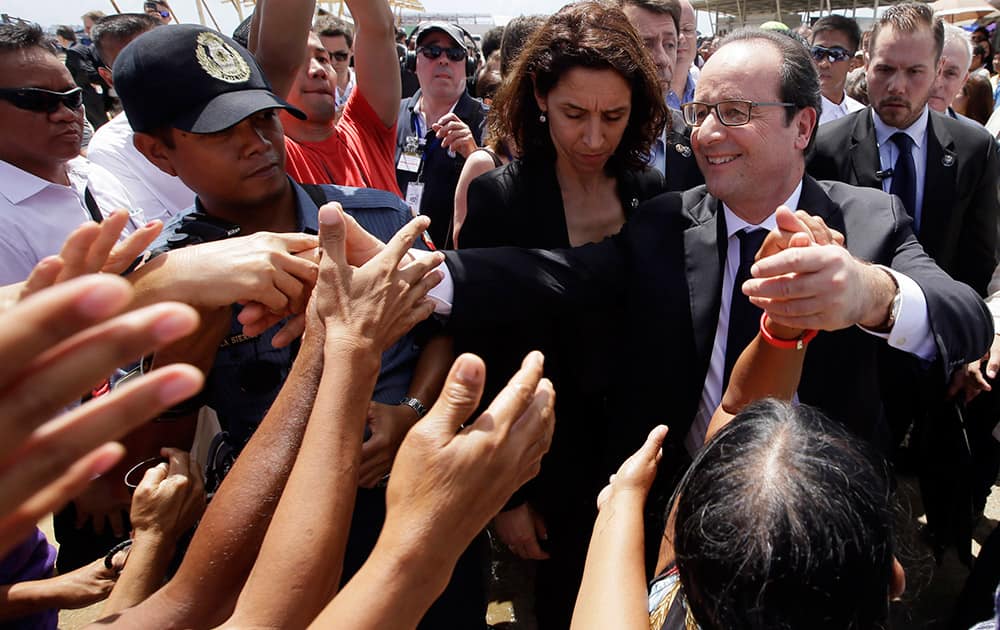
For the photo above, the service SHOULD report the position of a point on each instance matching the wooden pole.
(210, 14)
(239, 8)
(201, 12)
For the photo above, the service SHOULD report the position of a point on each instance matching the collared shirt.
(158, 194)
(888, 152)
(37, 215)
(688, 96)
(833, 111)
(343, 95)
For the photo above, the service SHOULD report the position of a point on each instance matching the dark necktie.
(744, 317)
(904, 174)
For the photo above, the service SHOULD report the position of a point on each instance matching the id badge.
(414, 193)
(409, 162)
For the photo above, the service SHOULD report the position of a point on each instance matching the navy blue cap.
(191, 78)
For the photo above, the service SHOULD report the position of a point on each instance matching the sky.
(51, 12)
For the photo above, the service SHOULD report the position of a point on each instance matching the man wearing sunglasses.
(159, 10)
(834, 41)
(338, 40)
(438, 127)
(46, 188)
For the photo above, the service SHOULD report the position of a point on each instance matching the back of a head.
(784, 520)
(111, 33)
(66, 33)
(842, 24)
(515, 35)
(490, 41)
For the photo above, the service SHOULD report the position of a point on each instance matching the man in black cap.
(438, 127)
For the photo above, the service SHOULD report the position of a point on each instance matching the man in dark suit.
(946, 172)
(952, 194)
(673, 269)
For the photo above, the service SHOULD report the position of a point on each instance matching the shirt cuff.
(444, 293)
(912, 330)
(993, 303)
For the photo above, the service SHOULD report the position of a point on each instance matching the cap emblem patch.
(220, 60)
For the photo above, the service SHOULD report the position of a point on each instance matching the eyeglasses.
(340, 55)
(732, 113)
(433, 52)
(833, 55)
(39, 100)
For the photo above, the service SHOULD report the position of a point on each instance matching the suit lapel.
(939, 185)
(815, 201)
(864, 152)
(704, 248)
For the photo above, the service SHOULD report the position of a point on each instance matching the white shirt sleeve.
(444, 293)
(912, 331)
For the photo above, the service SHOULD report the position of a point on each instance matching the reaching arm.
(375, 63)
(278, 36)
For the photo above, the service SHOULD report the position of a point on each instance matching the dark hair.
(856, 85)
(242, 33)
(119, 29)
(515, 35)
(908, 17)
(798, 82)
(785, 520)
(841, 24)
(66, 32)
(661, 7)
(490, 41)
(487, 84)
(980, 50)
(332, 27)
(16, 36)
(586, 35)
(979, 98)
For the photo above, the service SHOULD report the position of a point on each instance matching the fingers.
(111, 229)
(61, 373)
(518, 395)
(403, 240)
(19, 519)
(44, 275)
(295, 242)
(795, 260)
(291, 331)
(360, 245)
(44, 320)
(532, 433)
(651, 450)
(460, 395)
(817, 228)
(76, 249)
(333, 233)
(125, 252)
(993, 358)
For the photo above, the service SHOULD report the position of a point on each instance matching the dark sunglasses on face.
(39, 100)
(340, 55)
(433, 52)
(833, 55)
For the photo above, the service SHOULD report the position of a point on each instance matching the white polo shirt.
(157, 194)
(37, 215)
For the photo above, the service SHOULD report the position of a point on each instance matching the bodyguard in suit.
(674, 269)
(945, 171)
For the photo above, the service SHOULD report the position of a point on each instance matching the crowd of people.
(289, 327)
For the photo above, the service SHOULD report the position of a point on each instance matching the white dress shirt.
(833, 111)
(37, 215)
(157, 194)
(888, 152)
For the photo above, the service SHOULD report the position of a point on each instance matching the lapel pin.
(683, 149)
(948, 159)
(635, 203)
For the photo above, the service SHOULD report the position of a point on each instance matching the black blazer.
(961, 207)
(682, 170)
(665, 269)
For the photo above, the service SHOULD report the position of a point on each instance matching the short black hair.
(798, 81)
(66, 32)
(16, 36)
(786, 520)
(515, 35)
(490, 41)
(120, 28)
(841, 24)
(332, 27)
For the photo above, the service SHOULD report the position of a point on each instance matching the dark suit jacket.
(682, 170)
(961, 207)
(665, 268)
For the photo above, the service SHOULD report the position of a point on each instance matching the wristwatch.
(415, 405)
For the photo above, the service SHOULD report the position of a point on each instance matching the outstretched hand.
(448, 481)
(637, 473)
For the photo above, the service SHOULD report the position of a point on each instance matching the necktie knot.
(750, 241)
(903, 141)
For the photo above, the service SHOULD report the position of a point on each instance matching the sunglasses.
(433, 52)
(340, 55)
(39, 100)
(833, 55)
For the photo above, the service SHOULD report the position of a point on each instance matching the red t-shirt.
(360, 152)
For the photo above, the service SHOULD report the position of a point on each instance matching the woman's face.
(587, 112)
